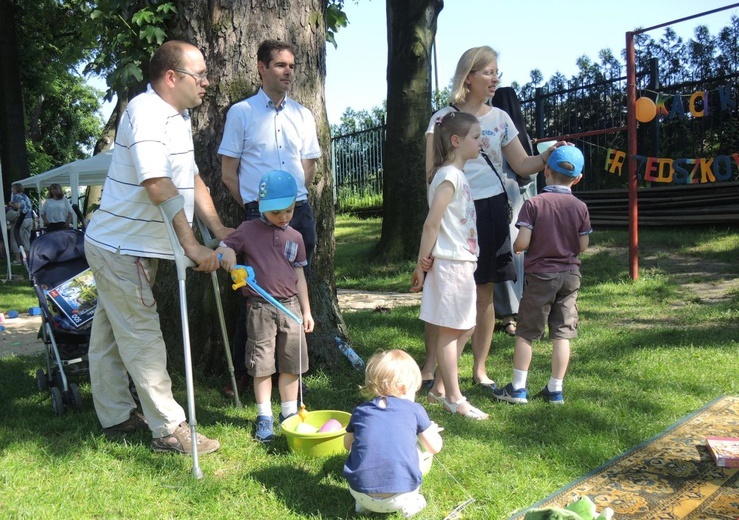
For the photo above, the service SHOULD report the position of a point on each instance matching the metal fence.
(593, 116)
(357, 167)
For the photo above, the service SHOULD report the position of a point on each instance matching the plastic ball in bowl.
(331, 425)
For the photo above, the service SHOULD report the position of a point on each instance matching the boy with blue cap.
(276, 251)
(554, 228)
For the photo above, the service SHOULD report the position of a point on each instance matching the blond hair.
(474, 59)
(391, 373)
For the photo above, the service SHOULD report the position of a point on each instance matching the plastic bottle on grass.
(348, 351)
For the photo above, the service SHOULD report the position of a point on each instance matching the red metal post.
(631, 152)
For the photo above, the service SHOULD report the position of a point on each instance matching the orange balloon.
(646, 109)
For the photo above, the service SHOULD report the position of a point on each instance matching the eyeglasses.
(490, 73)
(197, 77)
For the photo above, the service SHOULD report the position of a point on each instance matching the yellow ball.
(646, 109)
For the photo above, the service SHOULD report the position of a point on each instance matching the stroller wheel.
(43, 384)
(57, 403)
(75, 397)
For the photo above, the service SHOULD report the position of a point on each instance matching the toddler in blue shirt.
(384, 477)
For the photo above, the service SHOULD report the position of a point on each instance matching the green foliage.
(359, 120)
(129, 32)
(441, 98)
(59, 108)
(335, 20)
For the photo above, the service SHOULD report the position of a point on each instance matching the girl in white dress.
(447, 257)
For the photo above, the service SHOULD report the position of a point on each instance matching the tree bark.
(411, 29)
(228, 32)
(13, 155)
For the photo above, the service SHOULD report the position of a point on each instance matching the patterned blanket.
(671, 476)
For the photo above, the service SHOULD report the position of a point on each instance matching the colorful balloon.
(331, 425)
(305, 428)
(646, 109)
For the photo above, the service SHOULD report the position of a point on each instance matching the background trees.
(411, 28)
(47, 112)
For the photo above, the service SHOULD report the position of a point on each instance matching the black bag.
(506, 100)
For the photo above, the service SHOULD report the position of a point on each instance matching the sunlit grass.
(648, 353)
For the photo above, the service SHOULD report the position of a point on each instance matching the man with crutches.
(153, 162)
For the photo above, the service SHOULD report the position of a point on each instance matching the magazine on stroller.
(76, 298)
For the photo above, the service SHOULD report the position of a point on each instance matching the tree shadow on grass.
(310, 493)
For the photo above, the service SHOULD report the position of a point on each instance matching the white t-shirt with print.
(457, 238)
(498, 131)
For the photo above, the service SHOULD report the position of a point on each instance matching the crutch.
(170, 208)
(213, 243)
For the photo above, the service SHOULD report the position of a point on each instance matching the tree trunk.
(229, 33)
(13, 155)
(411, 28)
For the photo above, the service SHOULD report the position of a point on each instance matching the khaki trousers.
(126, 338)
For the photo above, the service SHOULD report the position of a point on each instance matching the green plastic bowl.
(316, 444)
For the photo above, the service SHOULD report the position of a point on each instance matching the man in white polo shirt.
(269, 131)
(153, 161)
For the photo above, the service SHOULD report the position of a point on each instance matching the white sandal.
(434, 398)
(472, 413)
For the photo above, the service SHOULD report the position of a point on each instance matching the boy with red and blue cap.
(277, 254)
(554, 228)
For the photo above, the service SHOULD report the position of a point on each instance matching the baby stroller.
(57, 267)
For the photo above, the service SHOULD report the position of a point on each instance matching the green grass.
(16, 294)
(649, 352)
(355, 243)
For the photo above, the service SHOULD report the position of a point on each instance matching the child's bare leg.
(522, 354)
(560, 357)
(288, 386)
(483, 333)
(263, 389)
(430, 332)
(447, 352)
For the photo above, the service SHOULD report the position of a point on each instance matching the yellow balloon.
(646, 109)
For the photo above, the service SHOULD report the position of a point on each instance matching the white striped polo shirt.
(153, 140)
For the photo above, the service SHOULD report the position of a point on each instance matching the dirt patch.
(19, 336)
(703, 279)
(350, 301)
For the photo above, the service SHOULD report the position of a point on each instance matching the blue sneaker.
(552, 397)
(508, 394)
(283, 418)
(265, 431)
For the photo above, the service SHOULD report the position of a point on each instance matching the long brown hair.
(454, 123)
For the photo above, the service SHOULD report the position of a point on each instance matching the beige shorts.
(274, 339)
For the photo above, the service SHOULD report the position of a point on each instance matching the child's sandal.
(509, 327)
(434, 398)
(471, 413)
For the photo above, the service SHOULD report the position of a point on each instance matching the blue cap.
(277, 191)
(570, 154)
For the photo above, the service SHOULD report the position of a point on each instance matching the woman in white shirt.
(56, 210)
(475, 81)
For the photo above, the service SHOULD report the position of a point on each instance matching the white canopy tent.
(85, 172)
